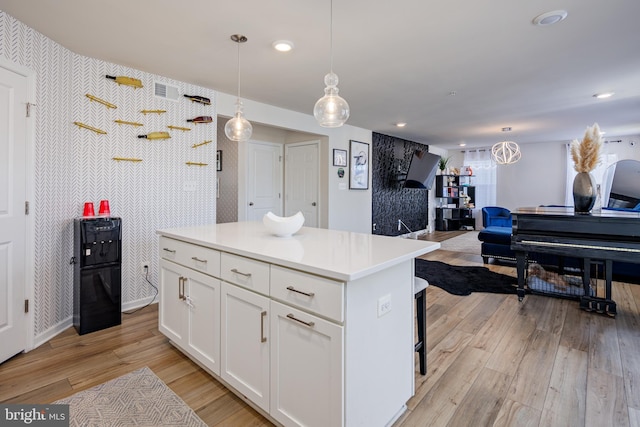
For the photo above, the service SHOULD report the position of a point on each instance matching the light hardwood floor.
(491, 361)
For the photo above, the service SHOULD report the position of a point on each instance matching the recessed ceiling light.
(462, 144)
(401, 124)
(550, 18)
(283, 45)
(603, 95)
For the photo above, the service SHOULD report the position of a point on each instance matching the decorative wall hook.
(122, 122)
(101, 101)
(96, 130)
(178, 128)
(126, 159)
(201, 144)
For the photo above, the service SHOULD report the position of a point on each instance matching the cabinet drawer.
(308, 292)
(245, 272)
(193, 256)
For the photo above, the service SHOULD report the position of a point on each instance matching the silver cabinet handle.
(181, 287)
(169, 250)
(195, 258)
(233, 270)
(292, 317)
(262, 316)
(308, 294)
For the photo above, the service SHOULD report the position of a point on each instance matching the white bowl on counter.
(283, 226)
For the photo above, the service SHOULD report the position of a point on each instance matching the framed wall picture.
(359, 165)
(219, 160)
(339, 157)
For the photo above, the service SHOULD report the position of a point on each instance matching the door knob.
(250, 203)
(313, 204)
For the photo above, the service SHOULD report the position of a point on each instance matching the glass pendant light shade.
(331, 110)
(238, 128)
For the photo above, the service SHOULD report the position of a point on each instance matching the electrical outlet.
(144, 267)
(384, 305)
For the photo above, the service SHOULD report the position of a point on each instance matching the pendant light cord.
(238, 70)
(331, 35)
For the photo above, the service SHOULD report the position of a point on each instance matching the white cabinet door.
(190, 312)
(245, 343)
(172, 314)
(307, 369)
(202, 301)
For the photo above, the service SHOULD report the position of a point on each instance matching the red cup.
(104, 208)
(88, 209)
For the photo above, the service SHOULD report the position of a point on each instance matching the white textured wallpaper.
(227, 203)
(74, 165)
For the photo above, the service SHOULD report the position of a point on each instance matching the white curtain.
(600, 174)
(484, 172)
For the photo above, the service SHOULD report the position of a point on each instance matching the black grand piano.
(603, 237)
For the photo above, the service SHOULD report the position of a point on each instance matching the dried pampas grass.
(586, 153)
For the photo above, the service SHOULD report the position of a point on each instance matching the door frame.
(29, 275)
(315, 142)
(243, 173)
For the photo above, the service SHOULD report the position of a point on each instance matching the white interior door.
(264, 179)
(13, 222)
(301, 178)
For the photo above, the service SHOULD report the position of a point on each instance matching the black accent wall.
(390, 201)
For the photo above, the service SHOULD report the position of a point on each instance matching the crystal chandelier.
(238, 128)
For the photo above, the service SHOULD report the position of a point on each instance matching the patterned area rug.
(467, 243)
(139, 398)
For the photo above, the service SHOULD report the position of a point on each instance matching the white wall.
(539, 178)
(73, 165)
(346, 209)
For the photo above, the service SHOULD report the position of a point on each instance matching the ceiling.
(456, 71)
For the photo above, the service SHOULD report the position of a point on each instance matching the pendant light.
(331, 110)
(238, 128)
(505, 152)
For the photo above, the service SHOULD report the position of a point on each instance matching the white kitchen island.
(316, 329)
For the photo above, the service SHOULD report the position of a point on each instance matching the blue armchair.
(494, 216)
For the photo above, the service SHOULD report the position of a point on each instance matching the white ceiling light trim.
(603, 95)
(283, 45)
(550, 18)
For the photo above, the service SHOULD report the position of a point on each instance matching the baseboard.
(132, 305)
(65, 324)
(50, 333)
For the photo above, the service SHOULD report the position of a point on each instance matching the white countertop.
(340, 255)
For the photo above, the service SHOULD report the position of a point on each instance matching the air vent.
(165, 91)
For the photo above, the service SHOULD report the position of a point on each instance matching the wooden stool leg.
(421, 345)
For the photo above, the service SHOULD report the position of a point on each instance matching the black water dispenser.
(97, 302)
